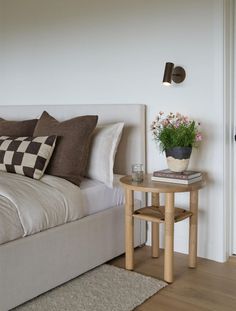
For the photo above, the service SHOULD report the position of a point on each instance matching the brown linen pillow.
(17, 128)
(70, 156)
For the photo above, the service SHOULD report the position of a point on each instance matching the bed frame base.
(81, 245)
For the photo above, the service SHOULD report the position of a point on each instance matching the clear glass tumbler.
(137, 172)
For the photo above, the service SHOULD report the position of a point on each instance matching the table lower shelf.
(157, 214)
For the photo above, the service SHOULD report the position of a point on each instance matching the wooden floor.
(212, 286)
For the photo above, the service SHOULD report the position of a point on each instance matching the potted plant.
(176, 135)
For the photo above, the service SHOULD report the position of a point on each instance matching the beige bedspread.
(28, 206)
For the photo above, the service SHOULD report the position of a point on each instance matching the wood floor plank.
(211, 286)
(201, 297)
(161, 303)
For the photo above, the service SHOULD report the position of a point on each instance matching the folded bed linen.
(28, 206)
(98, 197)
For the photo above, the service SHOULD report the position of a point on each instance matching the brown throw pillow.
(17, 128)
(70, 156)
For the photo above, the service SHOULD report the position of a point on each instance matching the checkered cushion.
(27, 156)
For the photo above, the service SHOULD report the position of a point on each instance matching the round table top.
(148, 185)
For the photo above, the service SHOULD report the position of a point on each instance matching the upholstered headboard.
(132, 148)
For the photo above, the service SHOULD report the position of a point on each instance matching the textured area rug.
(106, 288)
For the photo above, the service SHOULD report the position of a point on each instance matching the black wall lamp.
(171, 73)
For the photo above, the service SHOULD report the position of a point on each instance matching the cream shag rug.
(106, 288)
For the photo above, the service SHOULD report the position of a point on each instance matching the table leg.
(129, 229)
(155, 228)
(193, 223)
(169, 238)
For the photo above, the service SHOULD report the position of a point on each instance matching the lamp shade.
(168, 73)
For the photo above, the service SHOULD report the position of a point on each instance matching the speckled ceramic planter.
(178, 158)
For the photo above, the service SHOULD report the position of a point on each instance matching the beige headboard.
(132, 148)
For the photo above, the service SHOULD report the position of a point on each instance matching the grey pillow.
(17, 128)
(70, 156)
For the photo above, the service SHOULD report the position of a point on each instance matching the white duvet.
(28, 206)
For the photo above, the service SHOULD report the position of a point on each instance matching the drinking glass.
(137, 172)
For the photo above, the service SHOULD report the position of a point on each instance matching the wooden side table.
(167, 214)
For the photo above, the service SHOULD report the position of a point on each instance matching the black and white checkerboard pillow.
(27, 156)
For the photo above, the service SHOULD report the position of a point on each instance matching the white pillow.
(105, 141)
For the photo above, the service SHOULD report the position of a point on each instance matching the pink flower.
(165, 122)
(177, 124)
(198, 137)
(185, 120)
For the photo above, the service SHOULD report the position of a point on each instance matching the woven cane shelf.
(157, 214)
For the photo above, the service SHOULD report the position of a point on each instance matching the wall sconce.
(171, 73)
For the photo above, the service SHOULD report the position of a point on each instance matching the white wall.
(109, 51)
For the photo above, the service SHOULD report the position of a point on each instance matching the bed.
(34, 264)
